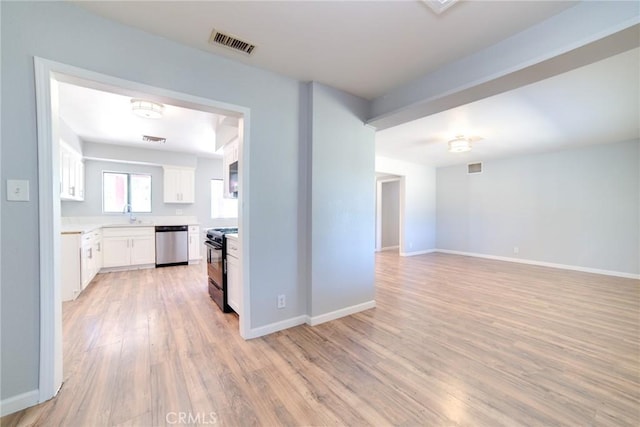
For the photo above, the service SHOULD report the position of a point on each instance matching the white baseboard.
(19, 402)
(390, 248)
(316, 320)
(275, 327)
(543, 264)
(428, 251)
(313, 321)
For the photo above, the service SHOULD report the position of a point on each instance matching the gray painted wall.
(70, 35)
(390, 215)
(418, 203)
(577, 207)
(342, 201)
(279, 128)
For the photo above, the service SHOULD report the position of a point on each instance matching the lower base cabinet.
(128, 246)
(234, 286)
(81, 256)
(194, 244)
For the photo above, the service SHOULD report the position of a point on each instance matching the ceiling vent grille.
(227, 40)
(154, 139)
(473, 168)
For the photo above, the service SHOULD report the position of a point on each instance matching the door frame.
(379, 183)
(46, 72)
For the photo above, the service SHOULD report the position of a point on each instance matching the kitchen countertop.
(87, 228)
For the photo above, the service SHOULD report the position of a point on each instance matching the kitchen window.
(221, 207)
(126, 192)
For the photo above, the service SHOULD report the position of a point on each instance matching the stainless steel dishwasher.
(172, 245)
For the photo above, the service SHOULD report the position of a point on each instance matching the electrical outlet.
(178, 211)
(282, 301)
(516, 250)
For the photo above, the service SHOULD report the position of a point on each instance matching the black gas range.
(217, 266)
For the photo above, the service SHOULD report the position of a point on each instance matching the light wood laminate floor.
(454, 341)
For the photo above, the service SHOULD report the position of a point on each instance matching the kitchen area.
(130, 203)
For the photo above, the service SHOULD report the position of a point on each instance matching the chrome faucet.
(127, 209)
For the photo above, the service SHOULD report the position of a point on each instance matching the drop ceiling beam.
(583, 34)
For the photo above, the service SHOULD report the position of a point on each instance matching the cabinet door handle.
(131, 242)
(99, 247)
(90, 253)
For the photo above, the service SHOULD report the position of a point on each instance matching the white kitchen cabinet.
(71, 267)
(234, 285)
(97, 251)
(71, 174)
(128, 246)
(91, 256)
(116, 251)
(194, 244)
(230, 169)
(143, 249)
(81, 260)
(179, 185)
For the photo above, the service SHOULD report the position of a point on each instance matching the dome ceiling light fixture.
(147, 109)
(460, 144)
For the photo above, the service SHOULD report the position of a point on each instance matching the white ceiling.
(368, 48)
(105, 117)
(595, 104)
(362, 47)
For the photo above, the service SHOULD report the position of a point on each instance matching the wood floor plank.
(453, 341)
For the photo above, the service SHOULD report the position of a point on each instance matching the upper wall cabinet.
(71, 174)
(179, 185)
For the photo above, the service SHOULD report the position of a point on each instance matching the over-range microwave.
(233, 180)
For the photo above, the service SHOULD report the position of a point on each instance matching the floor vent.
(474, 168)
(226, 40)
(155, 139)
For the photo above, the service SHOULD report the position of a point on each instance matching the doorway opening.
(48, 75)
(389, 192)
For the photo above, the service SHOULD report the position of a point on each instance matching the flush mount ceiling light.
(460, 144)
(146, 109)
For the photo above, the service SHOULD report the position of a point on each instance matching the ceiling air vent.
(155, 139)
(474, 168)
(227, 40)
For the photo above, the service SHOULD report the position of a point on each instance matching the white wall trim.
(276, 326)
(544, 264)
(19, 402)
(427, 251)
(50, 374)
(390, 248)
(312, 321)
(316, 320)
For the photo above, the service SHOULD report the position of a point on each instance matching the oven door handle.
(213, 246)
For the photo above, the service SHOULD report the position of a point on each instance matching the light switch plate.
(18, 190)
